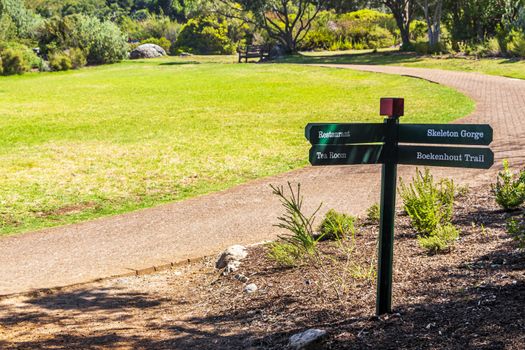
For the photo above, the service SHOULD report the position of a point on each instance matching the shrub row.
(364, 29)
(16, 58)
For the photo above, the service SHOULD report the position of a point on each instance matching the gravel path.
(161, 236)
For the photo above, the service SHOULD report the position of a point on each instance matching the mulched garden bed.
(471, 297)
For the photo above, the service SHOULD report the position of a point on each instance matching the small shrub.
(462, 191)
(373, 214)
(493, 48)
(29, 57)
(428, 205)
(78, 58)
(439, 240)
(284, 254)
(60, 61)
(205, 36)
(300, 227)
(516, 228)
(105, 42)
(379, 37)
(13, 62)
(516, 44)
(422, 47)
(44, 66)
(336, 226)
(509, 188)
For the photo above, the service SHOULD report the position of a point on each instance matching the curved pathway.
(157, 237)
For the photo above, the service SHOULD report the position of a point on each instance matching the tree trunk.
(433, 20)
(402, 11)
(405, 39)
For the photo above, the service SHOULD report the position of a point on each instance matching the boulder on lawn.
(147, 51)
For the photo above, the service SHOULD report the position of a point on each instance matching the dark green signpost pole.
(393, 108)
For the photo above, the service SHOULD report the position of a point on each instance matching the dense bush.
(364, 29)
(60, 61)
(151, 27)
(101, 41)
(510, 188)
(205, 36)
(78, 58)
(418, 31)
(516, 44)
(29, 57)
(336, 226)
(14, 62)
(428, 204)
(16, 21)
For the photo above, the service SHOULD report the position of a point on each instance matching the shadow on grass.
(178, 63)
(368, 58)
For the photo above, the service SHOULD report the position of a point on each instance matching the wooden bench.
(253, 51)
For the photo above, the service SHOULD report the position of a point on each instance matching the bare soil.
(471, 297)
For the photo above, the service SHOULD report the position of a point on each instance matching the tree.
(286, 21)
(432, 10)
(403, 11)
(474, 20)
(24, 21)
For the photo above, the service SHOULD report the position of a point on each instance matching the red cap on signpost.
(392, 107)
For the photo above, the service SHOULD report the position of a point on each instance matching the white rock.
(233, 253)
(250, 288)
(310, 339)
(147, 51)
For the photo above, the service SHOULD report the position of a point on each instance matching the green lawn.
(502, 67)
(105, 140)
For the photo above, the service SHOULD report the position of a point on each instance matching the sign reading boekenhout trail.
(347, 144)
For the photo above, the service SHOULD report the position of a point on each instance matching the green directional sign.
(341, 134)
(459, 157)
(454, 134)
(388, 144)
(321, 155)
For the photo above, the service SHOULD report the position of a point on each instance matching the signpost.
(347, 144)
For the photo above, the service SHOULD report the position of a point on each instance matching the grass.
(105, 140)
(502, 67)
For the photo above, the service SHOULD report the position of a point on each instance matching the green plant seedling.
(373, 214)
(509, 188)
(428, 204)
(439, 240)
(336, 226)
